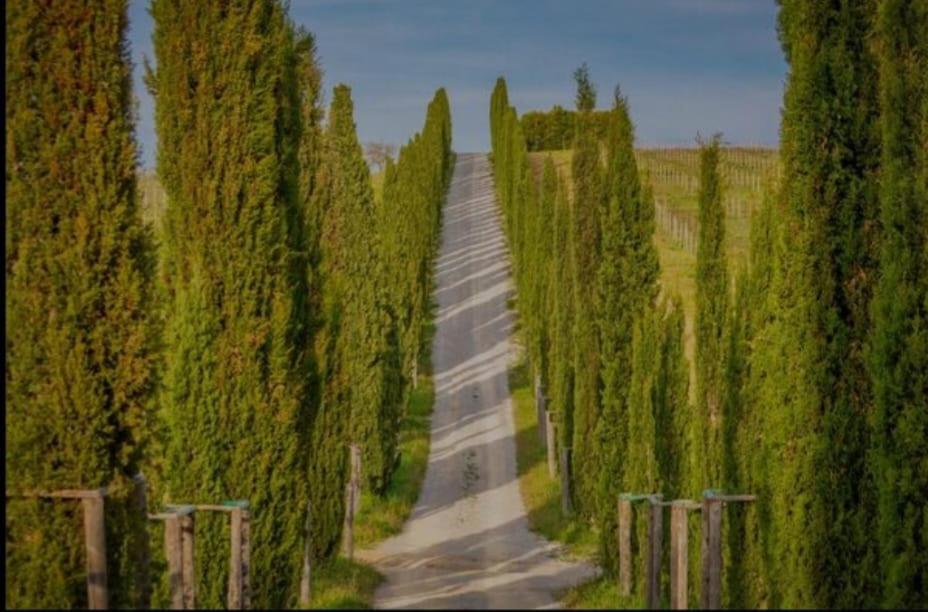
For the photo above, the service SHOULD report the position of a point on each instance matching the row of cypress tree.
(810, 382)
(608, 351)
(278, 320)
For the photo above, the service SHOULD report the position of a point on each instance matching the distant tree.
(81, 337)
(377, 153)
(586, 91)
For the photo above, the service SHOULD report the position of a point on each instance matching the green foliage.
(375, 280)
(237, 398)
(808, 368)
(711, 312)
(624, 287)
(898, 351)
(554, 130)
(586, 90)
(80, 333)
(561, 377)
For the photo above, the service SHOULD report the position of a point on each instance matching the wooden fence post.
(306, 578)
(625, 546)
(239, 554)
(713, 501)
(235, 560)
(566, 506)
(655, 545)
(140, 497)
(246, 558)
(679, 552)
(95, 540)
(188, 532)
(356, 476)
(710, 594)
(173, 551)
(351, 502)
(550, 445)
(539, 409)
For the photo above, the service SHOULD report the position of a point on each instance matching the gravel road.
(467, 543)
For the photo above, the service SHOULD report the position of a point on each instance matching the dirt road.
(467, 543)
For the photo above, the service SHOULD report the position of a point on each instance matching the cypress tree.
(813, 383)
(625, 285)
(585, 236)
(360, 360)
(711, 311)
(237, 399)
(671, 397)
(562, 377)
(899, 341)
(80, 334)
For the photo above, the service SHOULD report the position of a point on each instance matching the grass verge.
(541, 493)
(341, 584)
(383, 516)
(344, 584)
(542, 497)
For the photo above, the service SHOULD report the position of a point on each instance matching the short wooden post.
(235, 560)
(625, 546)
(351, 503)
(710, 595)
(140, 497)
(306, 577)
(246, 558)
(566, 506)
(679, 552)
(173, 550)
(539, 409)
(356, 476)
(188, 531)
(655, 544)
(550, 445)
(95, 539)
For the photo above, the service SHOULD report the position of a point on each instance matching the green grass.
(347, 584)
(341, 584)
(384, 516)
(541, 493)
(598, 594)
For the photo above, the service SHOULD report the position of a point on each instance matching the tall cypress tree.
(562, 376)
(237, 402)
(899, 343)
(360, 371)
(80, 339)
(711, 312)
(585, 236)
(810, 367)
(626, 284)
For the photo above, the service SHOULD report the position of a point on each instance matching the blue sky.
(687, 66)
